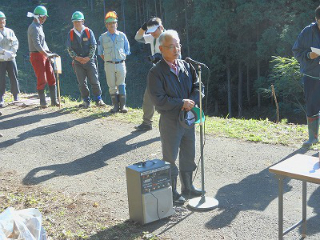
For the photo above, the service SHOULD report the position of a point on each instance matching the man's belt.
(116, 62)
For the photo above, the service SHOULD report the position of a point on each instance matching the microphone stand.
(203, 202)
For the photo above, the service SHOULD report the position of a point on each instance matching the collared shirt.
(174, 67)
(114, 47)
(79, 33)
(8, 41)
(126, 42)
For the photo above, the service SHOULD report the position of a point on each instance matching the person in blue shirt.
(113, 47)
(81, 46)
(310, 68)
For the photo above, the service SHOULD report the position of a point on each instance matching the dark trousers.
(312, 95)
(9, 67)
(84, 73)
(177, 140)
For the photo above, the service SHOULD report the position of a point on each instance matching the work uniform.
(40, 63)
(83, 44)
(167, 90)
(114, 47)
(147, 105)
(9, 42)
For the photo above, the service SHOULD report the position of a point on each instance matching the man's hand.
(313, 55)
(144, 26)
(85, 60)
(188, 104)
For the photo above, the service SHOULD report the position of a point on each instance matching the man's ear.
(160, 48)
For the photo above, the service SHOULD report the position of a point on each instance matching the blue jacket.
(309, 37)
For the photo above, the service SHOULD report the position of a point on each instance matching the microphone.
(190, 60)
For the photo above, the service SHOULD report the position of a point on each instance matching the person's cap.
(2, 15)
(153, 28)
(111, 17)
(41, 11)
(77, 16)
(190, 118)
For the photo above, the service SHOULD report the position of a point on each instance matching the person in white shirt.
(9, 45)
(149, 34)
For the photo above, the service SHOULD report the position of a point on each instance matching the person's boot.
(187, 188)
(53, 96)
(115, 103)
(42, 97)
(313, 129)
(177, 198)
(123, 100)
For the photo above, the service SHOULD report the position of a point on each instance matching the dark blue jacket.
(309, 37)
(81, 46)
(167, 91)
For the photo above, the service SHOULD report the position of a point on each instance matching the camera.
(155, 58)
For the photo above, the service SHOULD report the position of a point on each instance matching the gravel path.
(88, 156)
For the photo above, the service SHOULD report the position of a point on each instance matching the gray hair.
(168, 34)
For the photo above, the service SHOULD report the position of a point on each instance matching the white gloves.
(8, 55)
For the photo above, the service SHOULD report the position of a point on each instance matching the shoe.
(100, 103)
(2, 104)
(84, 104)
(16, 98)
(143, 127)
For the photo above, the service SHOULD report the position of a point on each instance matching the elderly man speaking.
(173, 86)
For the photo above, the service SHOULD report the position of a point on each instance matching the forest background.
(245, 43)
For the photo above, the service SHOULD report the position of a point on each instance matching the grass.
(253, 130)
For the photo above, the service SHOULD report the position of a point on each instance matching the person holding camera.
(149, 34)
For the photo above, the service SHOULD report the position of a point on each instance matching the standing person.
(113, 48)
(8, 48)
(310, 68)
(81, 46)
(149, 34)
(173, 86)
(40, 56)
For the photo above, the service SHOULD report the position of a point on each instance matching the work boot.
(313, 129)
(187, 188)
(143, 127)
(85, 104)
(53, 96)
(100, 103)
(115, 103)
(177, 198)
(15, 98)
(123, 99)
(42, 96)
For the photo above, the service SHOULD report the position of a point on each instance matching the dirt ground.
(88, 156)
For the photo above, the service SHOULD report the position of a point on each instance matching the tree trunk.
(155, 7)
(258, 76)
(229, 89)
(240, 80)
(248, 86)
(123, 15)
(187, 25)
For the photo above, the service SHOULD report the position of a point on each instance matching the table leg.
(304, 208)
(280, 208)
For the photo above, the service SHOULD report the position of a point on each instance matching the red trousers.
(43, 69)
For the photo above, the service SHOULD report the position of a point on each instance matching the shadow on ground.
(255, 192)
(88, 163)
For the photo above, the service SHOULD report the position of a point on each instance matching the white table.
(301, 167)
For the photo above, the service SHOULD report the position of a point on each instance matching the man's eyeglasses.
(171, 47)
